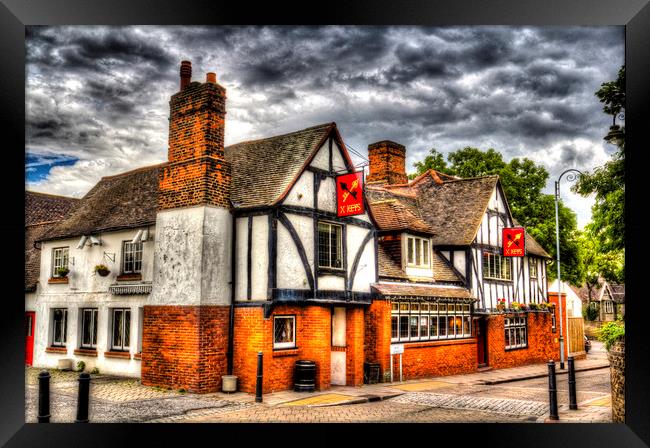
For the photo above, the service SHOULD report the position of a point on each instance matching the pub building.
(182, 272)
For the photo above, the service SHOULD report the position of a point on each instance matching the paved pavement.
(505, 395)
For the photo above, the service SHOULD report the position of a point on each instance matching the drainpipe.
(231, 321)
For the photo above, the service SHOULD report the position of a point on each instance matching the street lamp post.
(573, 174)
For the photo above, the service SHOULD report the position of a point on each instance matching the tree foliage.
(608, 181)
(522, 181)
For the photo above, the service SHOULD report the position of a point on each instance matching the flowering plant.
(515, 305)
(501, 304)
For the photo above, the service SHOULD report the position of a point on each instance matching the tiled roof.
(263, 170)
(392, 214)
(123, 201)
(390, 264)
(618, 292)
(418, 290)
(42, 212)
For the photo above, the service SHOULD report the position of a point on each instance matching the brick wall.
(377, 335)
(552, 298)
(543, 344)
(197, 172)
(253, 334)
(387, 163)
(439, 358)
(185, 347)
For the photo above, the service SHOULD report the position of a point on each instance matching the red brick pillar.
(377, 334)
(316, 342)
(354, 329)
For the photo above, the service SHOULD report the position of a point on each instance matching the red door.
(30, 319)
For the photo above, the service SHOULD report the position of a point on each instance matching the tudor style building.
(221, 253)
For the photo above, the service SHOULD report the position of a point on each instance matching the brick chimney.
(197, 172)
(387, 163)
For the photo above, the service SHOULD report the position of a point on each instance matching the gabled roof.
(123, 201)
(42, 212)
(263, 171)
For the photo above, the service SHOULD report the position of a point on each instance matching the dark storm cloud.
(99, 95)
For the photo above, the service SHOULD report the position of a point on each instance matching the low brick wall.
(543, 344)
(616, 356)
(376, 347)
(185, 347)
(439, 358)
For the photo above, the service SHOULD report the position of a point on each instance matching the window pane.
(414, 326)
(127, 328)
(323, 245)
(418, 251)
(507, 337)
(117, 328)
(393, 327)
(415, 307)
(424, 307)
(434, 326)
(58, 326)
(425, 252)
(410, 243)
(442, 326)
(442, 307)
(86, 327)
(335, 245)
(424, 326)
(467, 329)
(403, 306)
(94, 340)
(394, 306)
(403, 327)
(283, 331)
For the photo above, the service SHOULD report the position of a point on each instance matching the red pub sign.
(349, 194)
(514, 241)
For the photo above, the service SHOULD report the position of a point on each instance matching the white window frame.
(125, 331)
(94, 317)
(60, 261)
(134, 249)
(496, 265)
(64, 331)
(285, 345)
(422, 247)
(513, 326)
(609, 306)
(339, 242)
(403, 312)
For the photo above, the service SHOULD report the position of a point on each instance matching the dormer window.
(417, 252)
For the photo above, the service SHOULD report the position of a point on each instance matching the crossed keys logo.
(349, 194)
(514, 240)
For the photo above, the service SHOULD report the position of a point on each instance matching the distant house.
(608, 298)
(573, 300)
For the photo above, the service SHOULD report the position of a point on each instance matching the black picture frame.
(634, 14)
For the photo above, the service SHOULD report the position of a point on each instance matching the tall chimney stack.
(186, 73)
(387, 163)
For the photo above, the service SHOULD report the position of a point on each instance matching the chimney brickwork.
(387, 163)
(197, 172)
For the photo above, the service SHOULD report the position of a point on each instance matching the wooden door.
(481, 342)
(338, 356)
(30, 320)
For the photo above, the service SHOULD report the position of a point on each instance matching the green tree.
(433, 161)
(608, 181)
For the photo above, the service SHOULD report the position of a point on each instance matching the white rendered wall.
(327, 195)
(241, 252)
(260, 257)
(290, 270)
(459, 261)
(302, 192)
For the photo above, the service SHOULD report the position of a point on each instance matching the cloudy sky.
(97, 97)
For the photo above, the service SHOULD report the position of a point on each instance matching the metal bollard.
(258, 385)
(44, 397)
(573, 404)
(84, 396)
(552, 391)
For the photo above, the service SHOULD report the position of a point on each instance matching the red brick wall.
(253, 334)
(543, 344)
(354, 329)
(387, 163)
(377, 335)
(439, 358)
(197, 172)
(185, 347)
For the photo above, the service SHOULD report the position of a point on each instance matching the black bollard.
(572, 385)
(44, 397)
(84, 396)
(552, 391)
(258, 386)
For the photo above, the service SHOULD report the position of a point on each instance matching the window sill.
(86, 352)
(282, 352)
(57, 280)
(515, 348)
(61, 350)
(120, 355)
(331, 271)
(436, 343)
(138, 356)
(129, 277)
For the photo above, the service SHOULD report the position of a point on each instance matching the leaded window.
(59, 326)
(121, 329)
(496, 266)
(516, 332)
(330, 251)
(284, 331)
(132, 257)
(533, 268)
(422, 321)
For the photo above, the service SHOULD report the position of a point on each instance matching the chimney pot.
(211, 77)
(186, 73)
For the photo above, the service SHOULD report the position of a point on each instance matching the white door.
(338, 347)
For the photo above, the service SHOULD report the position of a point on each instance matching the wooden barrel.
(305, 376)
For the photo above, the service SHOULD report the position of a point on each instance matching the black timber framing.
(272, 247)
(357, 257)
(331, 165)
(321, 296)
(301, 249)
(249, 259)
(323, 173)
(322, 214)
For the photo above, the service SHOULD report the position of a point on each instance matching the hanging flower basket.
(102, 270)
(501, 304)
